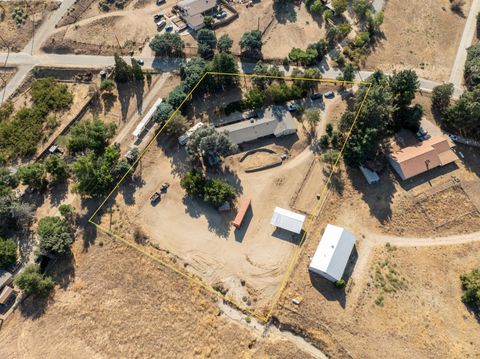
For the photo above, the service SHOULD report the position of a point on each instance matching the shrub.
(471, 288)
(8, 253)
(340, 283)
(92, 135)
(31, 281)
(441, 96)
(55, 236)
(167, 44)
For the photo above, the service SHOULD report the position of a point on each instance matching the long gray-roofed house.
(274, 120)
(193, 11)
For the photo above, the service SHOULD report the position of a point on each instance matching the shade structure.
(288, 220)
(333, 252)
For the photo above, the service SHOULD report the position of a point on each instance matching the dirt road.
(456, 76)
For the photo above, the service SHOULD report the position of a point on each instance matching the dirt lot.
(94, 31)
(203, 241)
(134, 308)
(284, 25)
(419, 35)
(17, 36)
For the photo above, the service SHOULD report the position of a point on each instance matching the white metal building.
(146, 119)
(285, 219)
(333, 252)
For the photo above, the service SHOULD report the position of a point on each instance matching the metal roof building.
(285, 219)
(333, 252)
(274, 120)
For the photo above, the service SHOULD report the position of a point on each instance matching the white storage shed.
(285, 219)
(333, 252)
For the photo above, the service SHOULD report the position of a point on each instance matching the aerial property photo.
(284, 179)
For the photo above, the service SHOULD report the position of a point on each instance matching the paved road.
(456, 75)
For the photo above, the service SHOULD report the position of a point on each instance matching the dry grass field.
(134, 308)
(16, 35)
(419, 35)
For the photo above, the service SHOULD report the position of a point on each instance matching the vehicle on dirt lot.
(141, 62)
(169, 28)
(316, 96)
(164, 187)
(221, 15)
(161, 25)
(155, 198)
(160, 2)
(157, 17)
(329, 94)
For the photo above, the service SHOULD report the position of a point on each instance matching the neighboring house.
(414, 160)
(333, 252)
(274, 120)
(193, 12)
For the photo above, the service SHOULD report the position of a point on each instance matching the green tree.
(312, 116)
(360, 8)
(462, 117)
(163, 112)
(217, 191)
(8, 181)
(471, 288)
(208, 143)
(254, 98)
(404, 84)
(224, 43)
(329, 129)
(324, 141)
(192, 72)
(176, 97)
(208, 21)
(177, 125)
(66, 210)
(344, 29)
(328, 15)
(348, 73)
(55, 236)
(123, 72)
(221, 63)
(49, 94)
(441, 96)
(57, 168)
(251, 44)
(8, 253)
(193, 183)
(207, 42)
(90, 135)
(361, 39)
(340, 6)
(33, 175)
(95, 175)
(167, 44)
(317, 7)
(107, 85)
(330, 157)
(31, 281)
(137, 70)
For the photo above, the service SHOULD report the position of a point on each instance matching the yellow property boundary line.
(311, 219)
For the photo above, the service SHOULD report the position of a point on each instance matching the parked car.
(422, 134)
(161, 25)
(141, 62)
(155, 198)
(316, 96)
(157, 17)
(221, 15)
(169, 28)
(164, 187)
(453, 137)
(293, 107)
(160, 2)
(329, 94)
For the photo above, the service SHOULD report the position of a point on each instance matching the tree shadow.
(125, 93)
(284, 11)
(378, 196)
(328, 288)
(33, 307)
(138, 90)
(336, 181)
(89, 234)
(63, 271)
(58, 193)
(108, 100)
(217, 223)
(129, 187)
